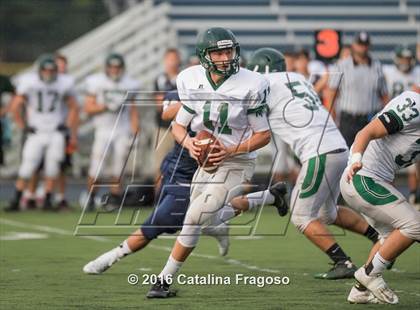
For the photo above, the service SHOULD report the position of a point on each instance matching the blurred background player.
(314, 71)
(70, 147)
(390, 142)
(404, 75)
(358, 85)
(116, 124)
(296, 115)
(166, 81)
(6, 87)
(44, 95)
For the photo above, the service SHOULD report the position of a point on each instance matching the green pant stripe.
(314, 175)
(372, 192)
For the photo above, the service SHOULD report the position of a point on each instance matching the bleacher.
(286, 24)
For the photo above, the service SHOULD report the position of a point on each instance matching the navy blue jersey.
(178, 166)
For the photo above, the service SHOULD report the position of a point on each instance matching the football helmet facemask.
(218, 39)
(47, 68)
(404, 59)
(115, 66)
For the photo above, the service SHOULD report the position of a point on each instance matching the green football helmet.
(214, 39)
(404, 58)
(266, 60)
(114, 60)
(47, 68)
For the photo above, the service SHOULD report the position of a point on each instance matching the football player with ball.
(230, 103)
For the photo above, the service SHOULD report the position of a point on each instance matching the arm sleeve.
(90, 87)
(187, 104)
(22, 87)
(184, 117)
(257, 103)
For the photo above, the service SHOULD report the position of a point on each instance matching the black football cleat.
(13, 206)
(47, 205)
(160, 290)
(63, 206)
(340, 270)
(31, 204)
(279, 191)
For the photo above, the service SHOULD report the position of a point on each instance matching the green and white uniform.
(112, 127)
(398, 82)
(371, 191)
(45, 103)
(297, 116)
(232, 111)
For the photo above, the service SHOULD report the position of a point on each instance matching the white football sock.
(379, 264)
(123, 249)
(258, 199)
(171, 268)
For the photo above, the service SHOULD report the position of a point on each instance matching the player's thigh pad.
(98, 156)
(169, 214)
(121, 147)
(54, 154)
(32, 154)
(384, 206)
(220, 186)
(316, 191)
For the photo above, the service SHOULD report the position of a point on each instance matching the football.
(205, 141)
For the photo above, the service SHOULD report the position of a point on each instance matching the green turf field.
(45, 273)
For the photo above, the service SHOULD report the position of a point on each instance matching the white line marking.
(22, 235)
(48, 229)
(63, 232)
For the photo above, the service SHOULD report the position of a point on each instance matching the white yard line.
(63, 232)
(48, 229)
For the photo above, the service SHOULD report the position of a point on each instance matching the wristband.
(355, 158)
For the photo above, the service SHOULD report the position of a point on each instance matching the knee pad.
(328, 215)
(27, 169)
(203, 208)
(411, 230)
(189, 235)
(52, 168)
(301, 222)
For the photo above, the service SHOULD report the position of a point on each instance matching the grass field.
(45, 273)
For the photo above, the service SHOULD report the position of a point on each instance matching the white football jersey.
(383, 157)
(111, 93)
(44, 101)
(298, 117)
(228, 110)
(398, 82)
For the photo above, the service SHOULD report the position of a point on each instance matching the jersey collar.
(214, 85)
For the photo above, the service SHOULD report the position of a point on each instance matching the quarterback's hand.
(218, 157)
(352, 170)
(190, 145)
